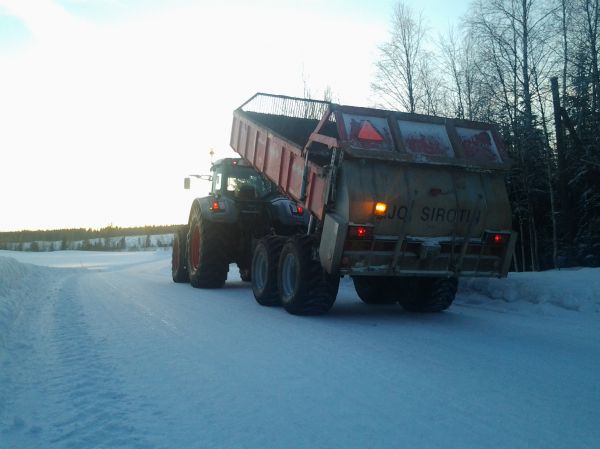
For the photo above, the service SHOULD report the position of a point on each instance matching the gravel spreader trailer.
(405, 204)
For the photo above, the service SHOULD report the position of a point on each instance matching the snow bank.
(15, 285)
(575, 289)
(11, 274)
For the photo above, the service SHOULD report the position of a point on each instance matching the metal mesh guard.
(287, 106)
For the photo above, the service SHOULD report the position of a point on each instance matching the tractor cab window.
(217, 182)
(244, 183)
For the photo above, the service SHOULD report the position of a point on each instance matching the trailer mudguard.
(332, 242)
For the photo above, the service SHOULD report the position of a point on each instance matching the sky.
(106, 105)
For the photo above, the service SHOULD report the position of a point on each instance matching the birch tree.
(398, 84)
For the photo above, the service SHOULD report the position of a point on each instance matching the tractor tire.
(179, 269)
(265, 261)
(375, 290)
(207, 262)
(305, 288)
(434, 295)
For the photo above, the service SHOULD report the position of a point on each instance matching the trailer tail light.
(359, 238)
(360, 233)
(380, 209)
(217, 206)
(496, 238)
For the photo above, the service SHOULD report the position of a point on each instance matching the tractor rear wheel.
(304, 286)
(265, 260)
(207, 263)
(179, 269)
(433, 295)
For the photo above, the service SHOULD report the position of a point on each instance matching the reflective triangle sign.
(368, 132)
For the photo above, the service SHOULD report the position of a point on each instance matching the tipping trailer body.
(447, 212)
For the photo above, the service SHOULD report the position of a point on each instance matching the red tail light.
(360, 232)
(496, 238)
(217, 206)
(296, 210)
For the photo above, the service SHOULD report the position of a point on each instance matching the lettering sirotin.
(438, 214)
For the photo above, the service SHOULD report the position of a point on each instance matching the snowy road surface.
(103, 351)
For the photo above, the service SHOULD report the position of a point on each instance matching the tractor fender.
(282, 210)
(226, 213)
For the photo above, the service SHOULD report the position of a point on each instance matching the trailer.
(405, 204)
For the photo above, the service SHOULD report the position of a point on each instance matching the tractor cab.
(237, 179)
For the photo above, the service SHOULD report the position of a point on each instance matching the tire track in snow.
(68, 375)
(96, 409)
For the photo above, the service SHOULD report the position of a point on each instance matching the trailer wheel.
(263, 274)
(206, 259)
(304, 287)
(434, 295)
(374, 289)
(179, 269)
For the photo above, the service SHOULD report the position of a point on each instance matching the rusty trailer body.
(391, 194)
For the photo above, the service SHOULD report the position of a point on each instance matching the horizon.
(91, 229)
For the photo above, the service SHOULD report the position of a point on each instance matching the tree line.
(531, 67)
(109, 238)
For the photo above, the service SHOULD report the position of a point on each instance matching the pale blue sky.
(107, 105)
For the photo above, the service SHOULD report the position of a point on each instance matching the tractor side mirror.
(187, 183)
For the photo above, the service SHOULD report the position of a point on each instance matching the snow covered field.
(102, 350)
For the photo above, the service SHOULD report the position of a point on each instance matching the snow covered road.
(102, 350)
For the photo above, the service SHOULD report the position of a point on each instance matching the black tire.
(374, 290)
(265, 262)
(206, 261)
(179, 269)
(304, 287)
(434, 295)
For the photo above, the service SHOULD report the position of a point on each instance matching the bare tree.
(398, 83)
(451, 51)
(459, 64)
(431, 100)
(591, 8)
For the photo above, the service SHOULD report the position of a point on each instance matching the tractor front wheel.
(179, 269)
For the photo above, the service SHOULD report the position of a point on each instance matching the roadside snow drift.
(17, 281)
(575, 289)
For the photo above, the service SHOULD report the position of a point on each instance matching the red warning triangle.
(368, 132)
